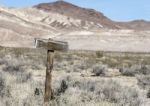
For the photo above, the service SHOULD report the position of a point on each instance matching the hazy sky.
(119, 10)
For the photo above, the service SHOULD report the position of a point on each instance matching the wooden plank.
(48, 87)
(51, 44)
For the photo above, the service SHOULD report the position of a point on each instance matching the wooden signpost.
(50, 45)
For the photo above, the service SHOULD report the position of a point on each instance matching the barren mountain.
(88, 18)
(136, 25)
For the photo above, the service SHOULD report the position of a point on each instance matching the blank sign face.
(50, 44)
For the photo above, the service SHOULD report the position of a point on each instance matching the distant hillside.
(87, 17)
(136, 25)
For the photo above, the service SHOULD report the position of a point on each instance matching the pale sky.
(118, 10)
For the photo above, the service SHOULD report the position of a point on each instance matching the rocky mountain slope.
(87, 18)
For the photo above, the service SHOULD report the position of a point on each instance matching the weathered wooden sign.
(50, 45)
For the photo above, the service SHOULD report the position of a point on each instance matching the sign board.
(50, 44)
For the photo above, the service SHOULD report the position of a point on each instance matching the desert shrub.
(2, 61)
(2, 85)
(145, 70)
(34, 65)
(79, 66)
(115, 93)
(4, 89)
(144, 81)
(13, 68)
(135, 69)
(126, 57)
(148, 93)
(31, 100)
(99, 70)
(90, 62)
(96, 91)
(23, 77)
(128, 71)
(14, 65)
(113, 63)
(99, 54)
(62, 88)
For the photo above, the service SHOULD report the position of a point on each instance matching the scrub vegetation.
(80, 78)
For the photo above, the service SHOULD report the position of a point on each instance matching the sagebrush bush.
(2, 85)
(135, 70)
(99, 54)
(145, 70)
(99, 70)
(128, 71)
(23, 77)
(148, 93)
(13, 66)
(69, 91)
(144, 81)
(2, 61)
(62, 88)
(100, 90)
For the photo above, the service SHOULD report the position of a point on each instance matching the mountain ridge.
(91, 15)
(70, 10)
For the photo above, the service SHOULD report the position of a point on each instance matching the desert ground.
(80, 78)
(108, 40)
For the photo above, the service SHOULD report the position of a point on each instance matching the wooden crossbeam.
(50, 45)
